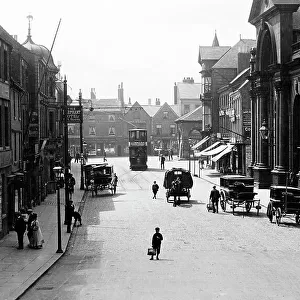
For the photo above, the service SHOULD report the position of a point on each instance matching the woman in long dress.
(37, 239)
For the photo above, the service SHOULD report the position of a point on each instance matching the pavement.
(20, 269)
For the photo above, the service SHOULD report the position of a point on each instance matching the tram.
(138, 149)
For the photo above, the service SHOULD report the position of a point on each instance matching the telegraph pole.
(68, 218)
(81, 142)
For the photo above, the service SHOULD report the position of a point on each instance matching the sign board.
(137, 143)
(74, 114)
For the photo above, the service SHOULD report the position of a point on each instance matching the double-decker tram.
(138, 149)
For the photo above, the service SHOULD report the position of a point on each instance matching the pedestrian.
(70, 209)
(104, 156)
(156, 242)
(77, 217)
(20, 228)
(162, 162)
(29, 220)
(37, 236)
(214, 197)
(114, 183)
(171, 153)
(77, 156)
(71, 184)
(155, 188)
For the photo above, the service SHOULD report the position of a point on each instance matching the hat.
(29, 210)
(157, 228)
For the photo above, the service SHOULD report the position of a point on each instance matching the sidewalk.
(19, 269)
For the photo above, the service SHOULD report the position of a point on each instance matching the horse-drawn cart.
(98, 177)
(237, 191)
(284, 200)
(178, 183)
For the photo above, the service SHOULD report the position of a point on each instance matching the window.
(158, 129)
(71, 129)
(5, 63)
(186, 108)
(165, 116)
(207, 84)
(111, 118)
(172, 130)
(112, 131)
(51, 122)
(92, 130)
(6, 125)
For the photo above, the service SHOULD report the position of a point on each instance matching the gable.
(166, 108)
(260, 7)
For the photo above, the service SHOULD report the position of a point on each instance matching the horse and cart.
(99, 177)
(178, 183)
(238, 191)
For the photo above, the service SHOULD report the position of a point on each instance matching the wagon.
(284, 201)
(98, 177)
(178, 183)
(238, 191)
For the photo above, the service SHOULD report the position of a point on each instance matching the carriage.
(284, 201)
(238, 191)
(178, 183)
(98, 177)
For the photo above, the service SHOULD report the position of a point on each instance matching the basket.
(151, 251)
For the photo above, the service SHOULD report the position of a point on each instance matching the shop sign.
(74, 114)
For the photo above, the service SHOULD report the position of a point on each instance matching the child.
(77, 216)
(155, 188)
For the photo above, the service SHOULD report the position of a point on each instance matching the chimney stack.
(149, 101)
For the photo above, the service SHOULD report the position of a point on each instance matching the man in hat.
(214, 197)
(156, 242)
(20, 228)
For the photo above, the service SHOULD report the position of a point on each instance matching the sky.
(147, 45)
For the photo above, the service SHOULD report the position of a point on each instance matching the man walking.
(155, 188)
(214, 197)
(162, 162)
(156, 242)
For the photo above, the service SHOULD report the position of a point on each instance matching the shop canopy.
(196, 146)
(208, 149)
(224, 152)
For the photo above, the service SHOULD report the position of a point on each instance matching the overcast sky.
(147, 45)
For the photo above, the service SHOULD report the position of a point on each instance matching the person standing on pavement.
(162, 162)
(155, 188)
(29, 220)
(156, 242)
(71, 184)
(214, 197)
(20, 228)
(114, 183)
(37, 239)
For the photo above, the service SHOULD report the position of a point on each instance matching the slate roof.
(151, 110)
(230, 58)
(239, 75)
(193, 116)
(188, 90)
(211, 53)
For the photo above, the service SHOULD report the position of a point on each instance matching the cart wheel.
(270, 211)
(248, 206)
(278, 215)
(223, 200)
(297, 218)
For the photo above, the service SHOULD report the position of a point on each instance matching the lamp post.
(81, 141)
(58, 172)
(190, 140)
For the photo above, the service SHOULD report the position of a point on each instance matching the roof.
(169, 107)
(188, 90)
(211, 53)
(151, 110)
(239, 75)
(230, 58)
(176, 108)
(193, 116)
(107, 104)
(258, 7)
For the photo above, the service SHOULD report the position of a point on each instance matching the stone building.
(274, 77)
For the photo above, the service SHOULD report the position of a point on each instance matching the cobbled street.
(203, 255)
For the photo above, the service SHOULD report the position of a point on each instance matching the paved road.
(204, 255)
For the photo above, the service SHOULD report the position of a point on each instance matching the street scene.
(150, 150)
(203, 255)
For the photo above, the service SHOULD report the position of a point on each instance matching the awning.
(196, 146)
(201, 153)
(224, 152)
(214, 151)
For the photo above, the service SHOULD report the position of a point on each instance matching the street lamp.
(264, 130)
(81, 141)
(58, 172)
(190, 140)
